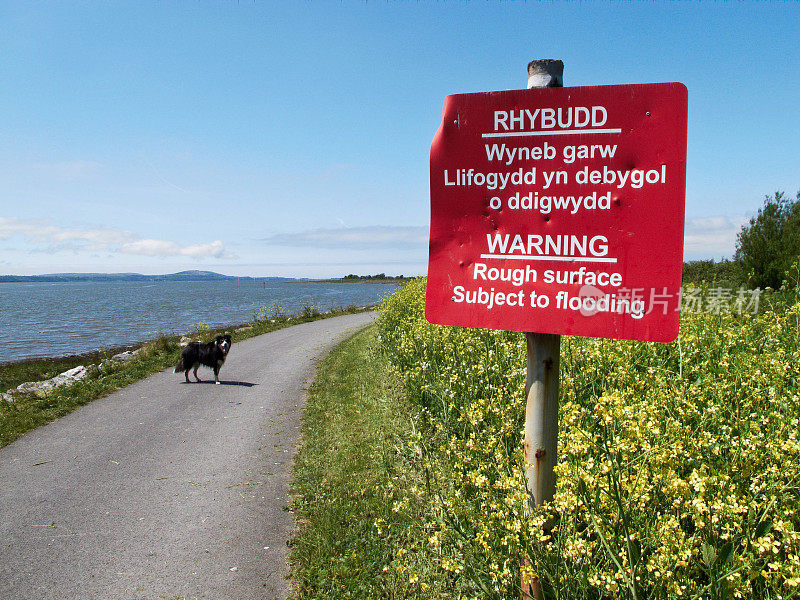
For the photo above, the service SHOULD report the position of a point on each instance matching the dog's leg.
(197, 366)
(186, 373)
(216, 373)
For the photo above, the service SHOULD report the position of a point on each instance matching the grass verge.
(345, 476)
(29, 411)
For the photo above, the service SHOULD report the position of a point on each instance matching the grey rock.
(126, 356)
(42, 388)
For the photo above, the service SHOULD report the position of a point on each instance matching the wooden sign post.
(541, 376)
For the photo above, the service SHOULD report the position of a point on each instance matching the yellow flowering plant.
(677, 472)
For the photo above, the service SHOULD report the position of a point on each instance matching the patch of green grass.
(351, 462)
(28, 412)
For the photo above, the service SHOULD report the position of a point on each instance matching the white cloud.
(54, 238)
(164, 248)
(378, 236)
(711, 236)
(42, 232)
(11, 226)
(86, 239)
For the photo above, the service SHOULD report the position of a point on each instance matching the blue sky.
(292, 138)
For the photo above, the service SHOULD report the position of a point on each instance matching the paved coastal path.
(163, 489)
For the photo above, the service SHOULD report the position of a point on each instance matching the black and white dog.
(210, 355)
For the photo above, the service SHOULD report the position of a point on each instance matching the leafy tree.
(770, 243)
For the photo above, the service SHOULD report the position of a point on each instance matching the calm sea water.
(55, 319)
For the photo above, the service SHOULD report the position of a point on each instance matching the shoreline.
(388, 281)
(138, 344)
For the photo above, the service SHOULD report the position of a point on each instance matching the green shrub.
(162, 343)
(770, 243)
(273, 313)
(201, 332)
(723, 272)
(309, 309)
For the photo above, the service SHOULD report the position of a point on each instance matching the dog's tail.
(179, 368)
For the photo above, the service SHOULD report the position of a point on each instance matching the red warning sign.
(560, 210)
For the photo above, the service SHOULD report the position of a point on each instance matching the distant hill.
(182, 276)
